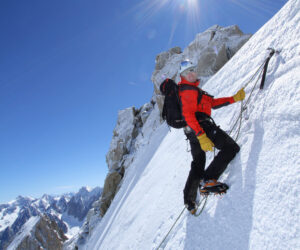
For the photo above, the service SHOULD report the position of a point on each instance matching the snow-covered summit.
(262, 209)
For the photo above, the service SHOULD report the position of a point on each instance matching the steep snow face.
(262, 209)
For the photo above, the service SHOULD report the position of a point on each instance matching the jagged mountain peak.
(87, 190)
(15, 214)
(22, 201)
(84, 190)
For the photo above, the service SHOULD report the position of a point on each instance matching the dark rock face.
(129, 125)
(44, 235)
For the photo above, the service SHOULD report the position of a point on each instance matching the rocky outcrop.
(163, 57)
(210, 51)
(111, 184)
(129, 124)
(122, 137)
(119, 157)
(44, 235)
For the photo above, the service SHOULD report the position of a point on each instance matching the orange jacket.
(190, 105)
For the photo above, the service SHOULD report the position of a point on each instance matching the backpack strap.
(183, 87)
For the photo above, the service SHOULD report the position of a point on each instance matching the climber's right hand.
(205, 143)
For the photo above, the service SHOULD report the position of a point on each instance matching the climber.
(203, 134)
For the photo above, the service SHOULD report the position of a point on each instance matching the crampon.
(219, 189)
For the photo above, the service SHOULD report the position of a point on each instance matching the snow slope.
(262, 208)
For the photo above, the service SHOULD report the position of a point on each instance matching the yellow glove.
(205, 143)
(240, 95)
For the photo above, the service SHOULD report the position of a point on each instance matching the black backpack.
(172, 105)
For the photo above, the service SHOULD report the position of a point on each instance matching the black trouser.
(228, 149)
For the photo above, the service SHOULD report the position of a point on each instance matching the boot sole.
(219, 189)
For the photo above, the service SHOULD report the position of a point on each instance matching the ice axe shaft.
(263, 79)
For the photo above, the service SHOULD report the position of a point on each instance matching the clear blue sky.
(68, 66)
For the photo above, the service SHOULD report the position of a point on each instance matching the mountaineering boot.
(191, 206)
(213, 186)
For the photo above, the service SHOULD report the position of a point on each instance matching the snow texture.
(262, 209)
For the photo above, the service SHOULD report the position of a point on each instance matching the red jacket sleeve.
(221, 102)
(189, 99)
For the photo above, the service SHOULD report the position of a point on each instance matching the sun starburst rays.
(194, 15)
(146, 10)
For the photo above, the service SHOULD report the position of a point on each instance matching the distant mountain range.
(65, 214)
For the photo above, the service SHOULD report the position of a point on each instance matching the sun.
(182, 11)
(192, 3)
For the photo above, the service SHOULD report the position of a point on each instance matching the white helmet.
(186, 64)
